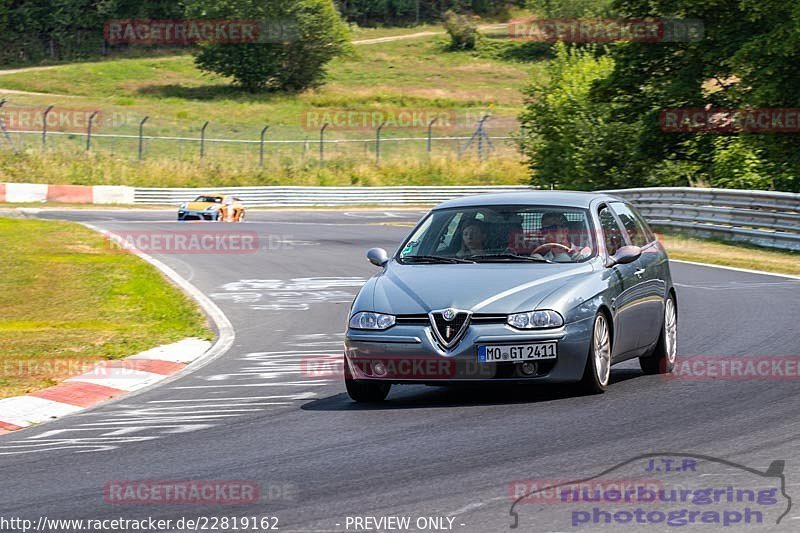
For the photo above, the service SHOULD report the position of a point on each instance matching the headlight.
(536, 320)
(367, 320)
(183, 206)
(211, 208)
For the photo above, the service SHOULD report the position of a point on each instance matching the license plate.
(515, 353)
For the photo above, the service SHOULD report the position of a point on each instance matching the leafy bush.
(561, 124)
(462, 30)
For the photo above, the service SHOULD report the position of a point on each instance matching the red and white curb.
(105, 381)
(23, 193)
(111, 379)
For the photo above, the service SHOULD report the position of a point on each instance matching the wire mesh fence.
(140, 137)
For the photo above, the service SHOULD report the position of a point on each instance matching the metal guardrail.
(322, 196)
(760, 217)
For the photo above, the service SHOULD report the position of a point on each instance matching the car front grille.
(423, 320)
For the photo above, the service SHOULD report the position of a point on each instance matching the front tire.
(364, 391)
(662, 360)
(597, 374)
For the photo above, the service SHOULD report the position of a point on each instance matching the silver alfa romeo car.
(523, 288)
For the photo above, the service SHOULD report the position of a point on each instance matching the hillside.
(415, 73)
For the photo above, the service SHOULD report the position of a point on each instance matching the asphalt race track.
(256, 414)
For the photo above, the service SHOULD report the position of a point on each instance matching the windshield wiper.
(436, 259)
(510, 256)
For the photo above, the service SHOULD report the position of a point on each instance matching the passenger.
(473, 239)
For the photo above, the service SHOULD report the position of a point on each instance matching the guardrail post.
(141, 136)
(44, 124)
(89, 131)
(203, 140)
(261, 147)
(322, 143)
(429, 144)
(378, 143)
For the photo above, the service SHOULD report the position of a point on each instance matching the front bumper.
(409, 354)
(184, 214)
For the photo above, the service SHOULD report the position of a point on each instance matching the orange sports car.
(215, 207)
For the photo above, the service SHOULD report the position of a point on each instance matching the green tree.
(405, 12)
(745, 58)
(301, 36)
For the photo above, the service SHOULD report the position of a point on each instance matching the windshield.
(501, 234)
(209, 199)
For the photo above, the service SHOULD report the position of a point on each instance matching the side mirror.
(625, 255)
(378, 257)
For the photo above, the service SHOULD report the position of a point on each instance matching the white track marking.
(157, 419)
(300, 396)
(739, 286)
(298, 294)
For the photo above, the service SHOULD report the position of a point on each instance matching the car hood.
(482, 288)
(200, 206)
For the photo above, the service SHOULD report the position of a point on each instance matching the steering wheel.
(550, 245)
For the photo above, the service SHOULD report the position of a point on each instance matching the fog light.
(378, 368)
(528, 368)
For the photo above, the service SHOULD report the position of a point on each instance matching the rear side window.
(634, 225)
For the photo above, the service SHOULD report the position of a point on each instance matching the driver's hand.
(583, 253)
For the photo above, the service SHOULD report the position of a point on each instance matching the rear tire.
(597, 373)
(664, 356)
(364, 391)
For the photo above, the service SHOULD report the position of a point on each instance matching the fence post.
(479, 133)
(141, 137)
(378, 143)
(322, 143)
(44, 124)
(261, 147)
(89, 131)
(203, 140)
(3, 128)
(429, 144)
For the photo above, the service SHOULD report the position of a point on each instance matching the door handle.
(639, 273)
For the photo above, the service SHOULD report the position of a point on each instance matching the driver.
(557, 245)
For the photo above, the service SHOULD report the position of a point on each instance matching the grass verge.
(739, 255)
(69, 300)
(106, 169)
